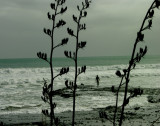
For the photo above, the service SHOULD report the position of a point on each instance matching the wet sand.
(141, 117)
(135, 116)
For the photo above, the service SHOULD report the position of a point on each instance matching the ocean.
(21, 82)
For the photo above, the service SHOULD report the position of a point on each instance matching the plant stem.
(76, 74)
(52, 117)
(130, 65)
(117, 94)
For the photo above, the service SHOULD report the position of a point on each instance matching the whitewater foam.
(24, 86)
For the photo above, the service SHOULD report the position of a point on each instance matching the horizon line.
(78, 57)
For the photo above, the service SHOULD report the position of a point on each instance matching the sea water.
(21, 82)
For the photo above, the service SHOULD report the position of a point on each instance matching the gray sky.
(111, 28)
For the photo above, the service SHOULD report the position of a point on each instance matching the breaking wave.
(20, 87)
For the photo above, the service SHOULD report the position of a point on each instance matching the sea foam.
(23, 87)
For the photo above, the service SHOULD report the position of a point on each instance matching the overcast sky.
(111, 28)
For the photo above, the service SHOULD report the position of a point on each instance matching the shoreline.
(142, 116)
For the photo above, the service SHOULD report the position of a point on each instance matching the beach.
(142, 117)
(134, 114)
(21, 83)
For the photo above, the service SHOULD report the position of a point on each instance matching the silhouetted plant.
(48, 89)
(1, 124)
(72, 85)
(135, 58)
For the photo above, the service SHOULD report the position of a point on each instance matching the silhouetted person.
(97, 80)
(112, 88)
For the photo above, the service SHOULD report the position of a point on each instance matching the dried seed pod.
(151, 13)
(85, 14)
(49, 16)
(140, 36)
(52, 6)
(70, 31)
(66, 53)
(74, 18)
(64, 41)
(63, 10)
(141, 50)
(118, 73)
(149, 24)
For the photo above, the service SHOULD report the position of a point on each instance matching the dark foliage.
(48, 88)
(72, 85)
(125, 74)
(135, 58)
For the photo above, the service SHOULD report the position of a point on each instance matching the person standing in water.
(97, 80)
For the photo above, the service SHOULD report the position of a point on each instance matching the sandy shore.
(135, 116)
(141, 117)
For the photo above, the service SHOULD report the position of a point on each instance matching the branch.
(70, 55)
(82, 70)
(62, 71)
(56, 76)
(70, 32)
(70, 85)
(42, 56)
(116, 107)
(60, 23)
(140, 37)
(64, 41)
(57, 46)
(63, 10)
(82, 27)
(48, 32)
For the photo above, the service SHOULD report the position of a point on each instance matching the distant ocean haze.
(21, 82)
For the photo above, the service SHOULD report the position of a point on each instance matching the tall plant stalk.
(116, 107)
(74, 55)
(125, 74)
(48, 89)
(136, 58)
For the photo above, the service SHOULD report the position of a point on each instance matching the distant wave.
(23, 76)
(12, 108)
